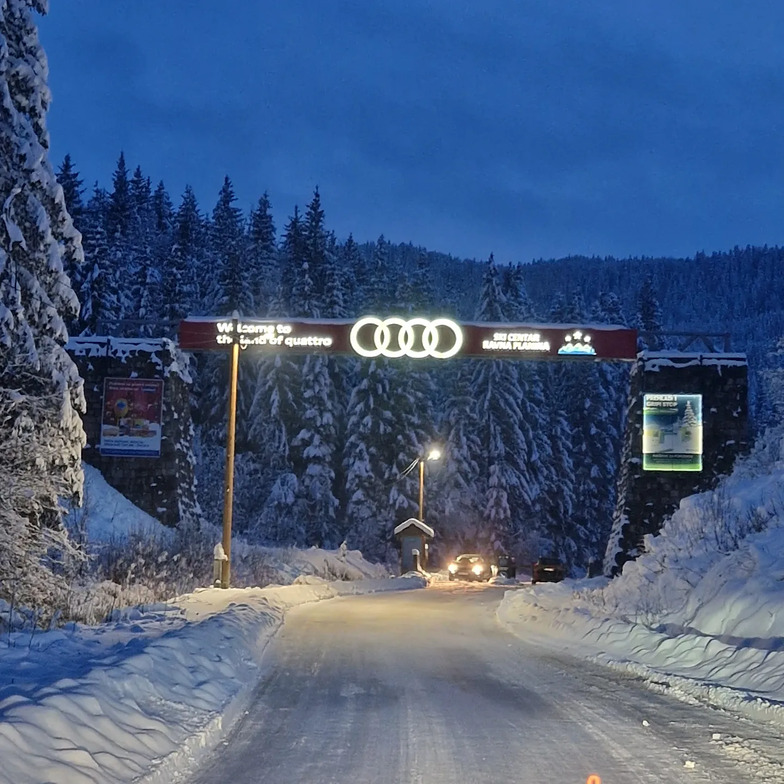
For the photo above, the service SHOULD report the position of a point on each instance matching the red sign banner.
(414, 338)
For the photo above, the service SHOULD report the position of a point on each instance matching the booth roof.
(426, 529)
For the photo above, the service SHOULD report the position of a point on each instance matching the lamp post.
(433, 454)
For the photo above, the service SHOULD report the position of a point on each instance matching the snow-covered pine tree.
(517, 303)
(584, 401)
(120, 271)
(274, 416)
(228, 292)
(352, 265)
(459, 487)
(41, 433)
(162, 229)
(99, 300)
(367, 461)
(73, 190)
(556, 503)
(558, 500)
(649, 316)
(146, 284)
(423, 285)
(162, 210)
(518, 308)
(497, 394)
(297, 286)
(559, 308)
(689, 417)
(380, 284)
(612, 379)
(274, 413)
(179, 292)
(314, 447)
(262, 256)
(264, 279)
(233, 290)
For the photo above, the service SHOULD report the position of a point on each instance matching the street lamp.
(433, 454)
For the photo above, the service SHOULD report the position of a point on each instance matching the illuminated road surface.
(426, 687)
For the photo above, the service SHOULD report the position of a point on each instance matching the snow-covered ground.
(127, 699)
(701, 615)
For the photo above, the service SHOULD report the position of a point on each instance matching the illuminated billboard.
(413, 337)
(672, 432)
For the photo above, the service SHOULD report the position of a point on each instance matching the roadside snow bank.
(140, 697)
(701, 614)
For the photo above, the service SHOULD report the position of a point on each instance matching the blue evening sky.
(531, 129)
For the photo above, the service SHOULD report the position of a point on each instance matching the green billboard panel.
(672, 432)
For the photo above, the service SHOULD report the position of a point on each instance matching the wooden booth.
(413, 538)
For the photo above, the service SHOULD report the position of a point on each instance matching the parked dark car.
(547, 570)
(505, 566)
(470, 566)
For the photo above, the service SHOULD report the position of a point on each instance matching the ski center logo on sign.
(415, 338)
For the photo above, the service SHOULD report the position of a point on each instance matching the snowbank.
(136, 698)
(106, 514)
(701, 614)
(144, 694)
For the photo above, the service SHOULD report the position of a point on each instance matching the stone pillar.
(645, 499)
(164, 486)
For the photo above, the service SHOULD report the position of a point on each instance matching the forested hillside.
(740, 292)
(531, 450)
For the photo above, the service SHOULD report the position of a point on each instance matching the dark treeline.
(531, 449)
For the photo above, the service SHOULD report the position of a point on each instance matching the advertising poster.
(131, 418)
(672, 433)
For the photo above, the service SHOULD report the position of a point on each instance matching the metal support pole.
(228, 485)
(422, 490)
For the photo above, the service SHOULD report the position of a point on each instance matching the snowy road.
(425, 686)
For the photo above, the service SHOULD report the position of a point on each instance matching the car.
(547, 570)
(505, 566)
(470, 566)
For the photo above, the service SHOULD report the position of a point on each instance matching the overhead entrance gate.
(392, 337)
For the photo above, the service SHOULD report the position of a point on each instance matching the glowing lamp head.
(478, 568)
(452, 568)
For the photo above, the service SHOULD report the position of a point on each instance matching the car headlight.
(478, 568)
(452, 567)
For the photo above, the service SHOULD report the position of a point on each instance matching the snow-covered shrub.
(766, 455)
(136, 558)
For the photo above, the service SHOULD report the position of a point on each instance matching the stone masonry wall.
(646, 499)
(164, 486)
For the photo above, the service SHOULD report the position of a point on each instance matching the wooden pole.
(422, 489)
(228, 485)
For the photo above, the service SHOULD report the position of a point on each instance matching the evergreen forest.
(530, 449)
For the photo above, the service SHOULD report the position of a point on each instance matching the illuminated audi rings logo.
(416, 338)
